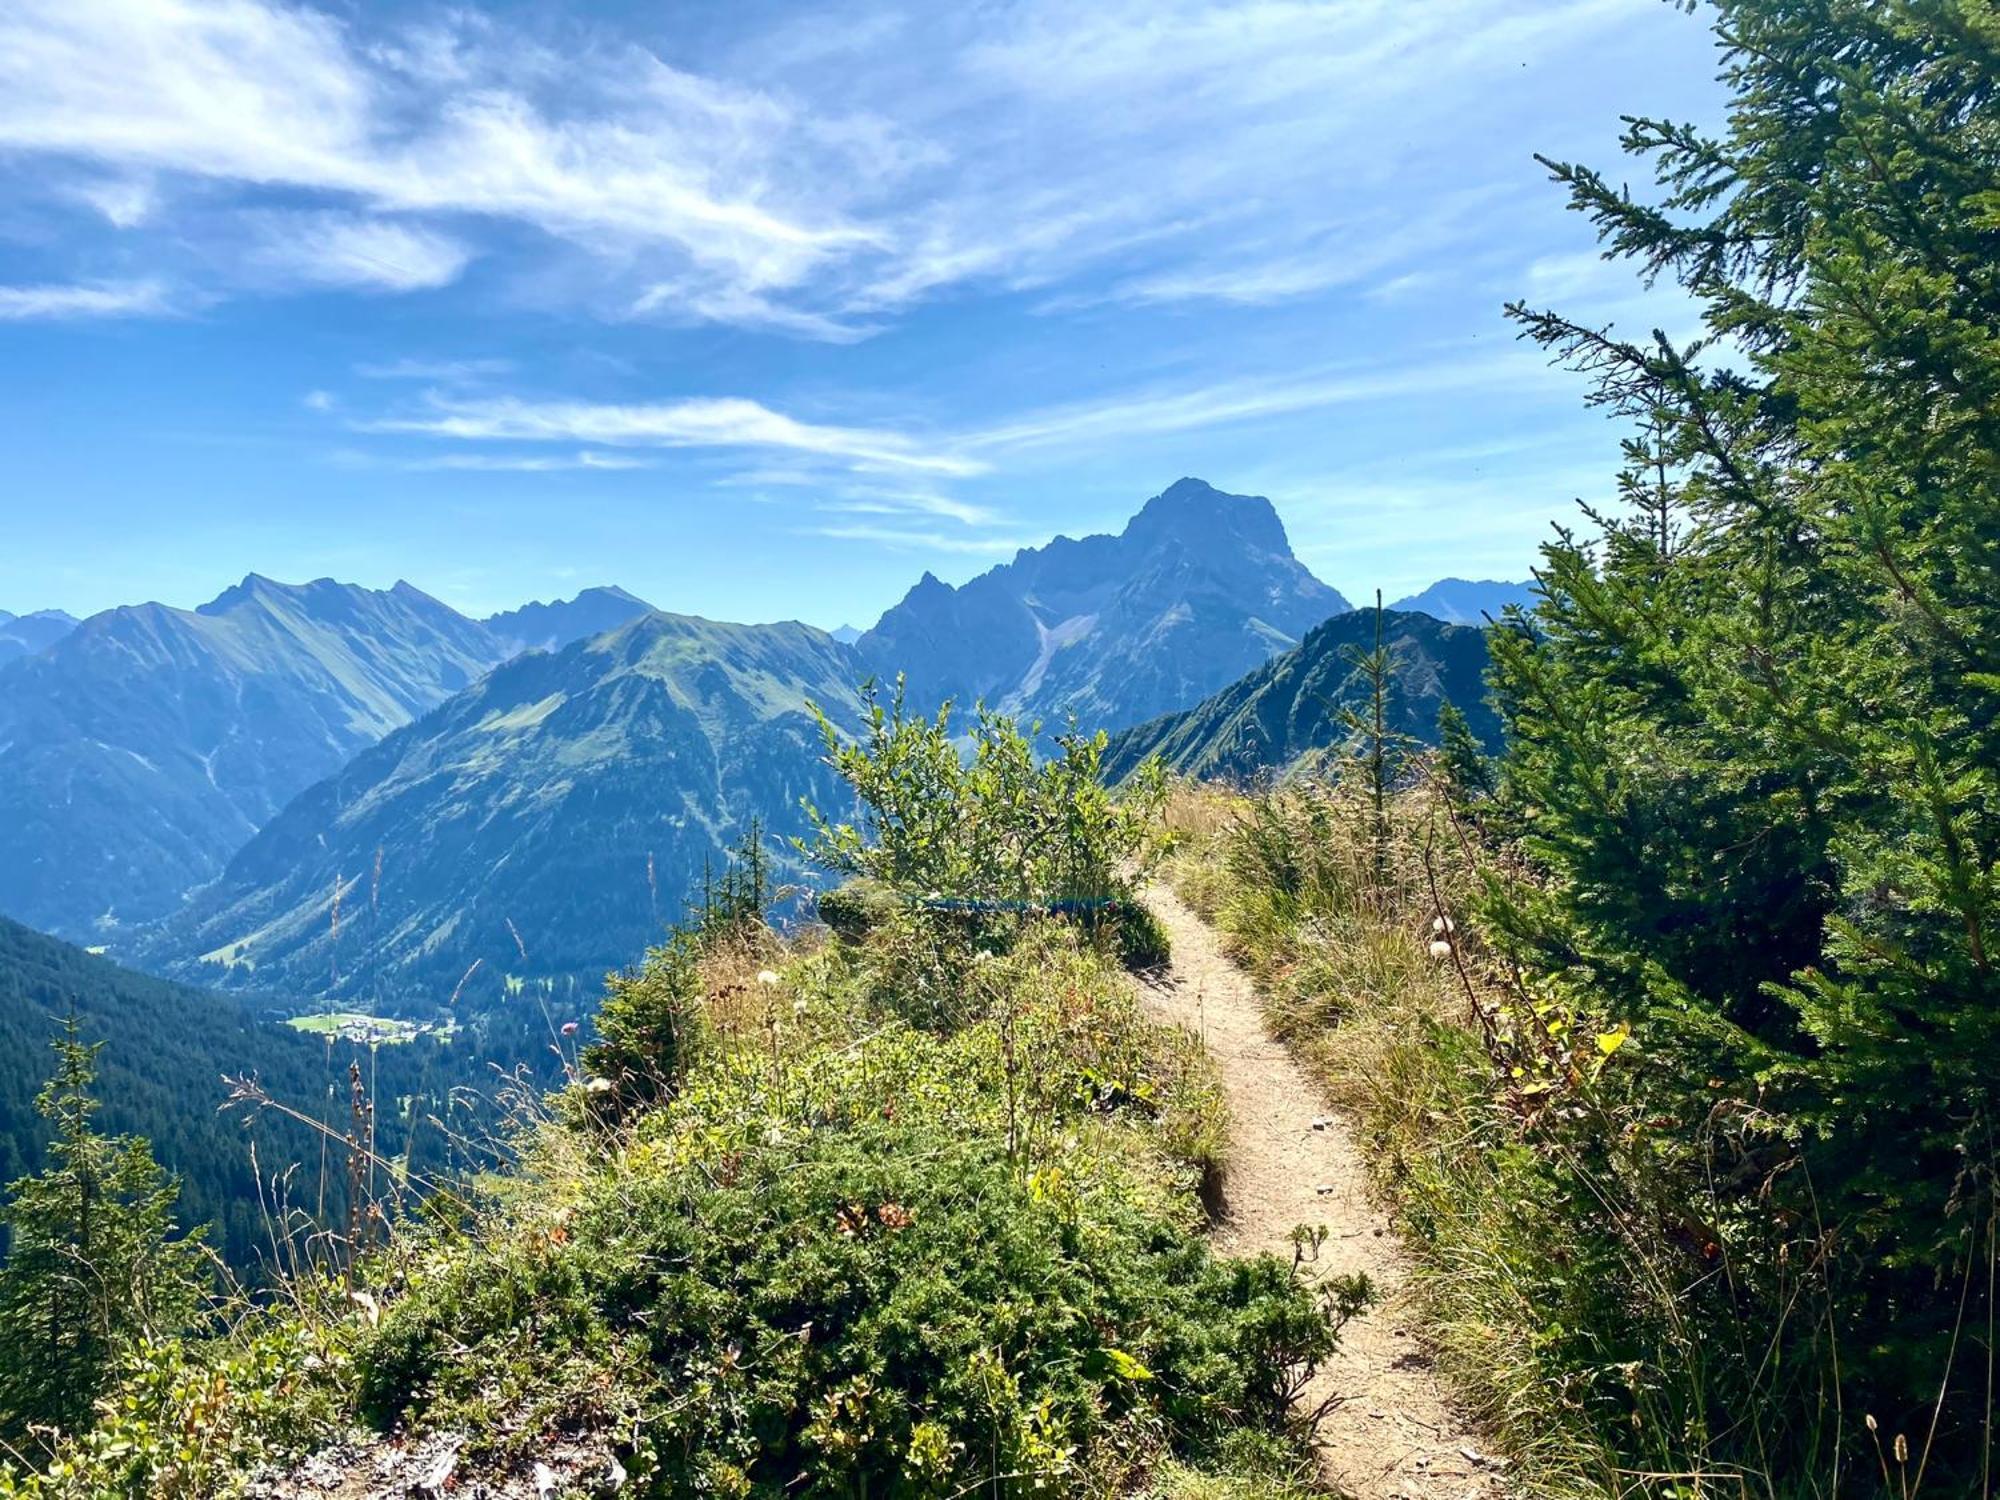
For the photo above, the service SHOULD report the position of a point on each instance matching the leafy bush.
(921, 1259)
(857, 908)
(885, 1308)
(980, 839)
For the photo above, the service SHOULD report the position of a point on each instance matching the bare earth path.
(1395, 1436)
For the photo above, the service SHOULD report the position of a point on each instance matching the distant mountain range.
(546, 824)
(141, 750)
(552, 626)
(539, 791)
(1458, 601)
(1198, 588)
(1292, 704)
(24, 635)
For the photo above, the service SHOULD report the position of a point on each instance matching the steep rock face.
(1199, 588)
(545, 824)
(1460, 601)
(1292, 704)
(140, 750)
(24, 635)
(552, 626)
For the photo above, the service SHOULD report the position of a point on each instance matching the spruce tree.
(94, 1264)
(1752, 727)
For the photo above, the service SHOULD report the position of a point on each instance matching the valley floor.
(1394, 1434)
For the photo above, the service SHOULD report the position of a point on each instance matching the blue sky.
(761, 309)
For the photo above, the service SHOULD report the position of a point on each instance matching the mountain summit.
(1199, 588)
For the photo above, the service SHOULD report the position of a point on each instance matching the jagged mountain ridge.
(1292, 704)
(550, 627)
(1198, 588)
(547, 823)
(142, 749)
(24, 635)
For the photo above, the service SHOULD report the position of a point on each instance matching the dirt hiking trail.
(1292, 1161)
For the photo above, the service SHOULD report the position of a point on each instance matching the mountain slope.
(546, 823)
(1291, 704)
(1459, 601)
(1199, 588)
(24, 635)
(166, 1049)
(552, 626)
(139, 751)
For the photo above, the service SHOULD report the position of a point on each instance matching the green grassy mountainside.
(545, 825)
(1292, 705)
(1199, 588)
(141, 750)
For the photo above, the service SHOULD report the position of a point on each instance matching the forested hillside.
(166, 1051)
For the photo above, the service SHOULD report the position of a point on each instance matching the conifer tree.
(94, 1264)
(1752, 728)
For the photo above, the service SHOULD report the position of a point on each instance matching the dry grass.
(1389, 1030)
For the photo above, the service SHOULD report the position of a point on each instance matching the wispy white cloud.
(125, 202)
(321, 401)
(695, 422)
(439, 371)
(869, 501)
(911, 540)
(814, 175)
(494, 463)
(1138, 414)
(348, 250)
(104, 299)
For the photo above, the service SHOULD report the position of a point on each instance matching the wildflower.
(767, 977)
(1440, 950)
(1440, 925)
(569, 1028)
(598, 1086)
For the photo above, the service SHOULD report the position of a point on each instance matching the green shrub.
(1136, 935)
(650, 1029)
(857, 908)
(887, 1308)
(981, 837)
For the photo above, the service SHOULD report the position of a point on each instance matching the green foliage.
(649, 1029)
(857, 908)
(917, 1261)
(1462, 760)
(1752, 727)
(884, 1308)
(93, 1264)
(988, 836)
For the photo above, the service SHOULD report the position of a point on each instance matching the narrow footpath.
(1395, 1434)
